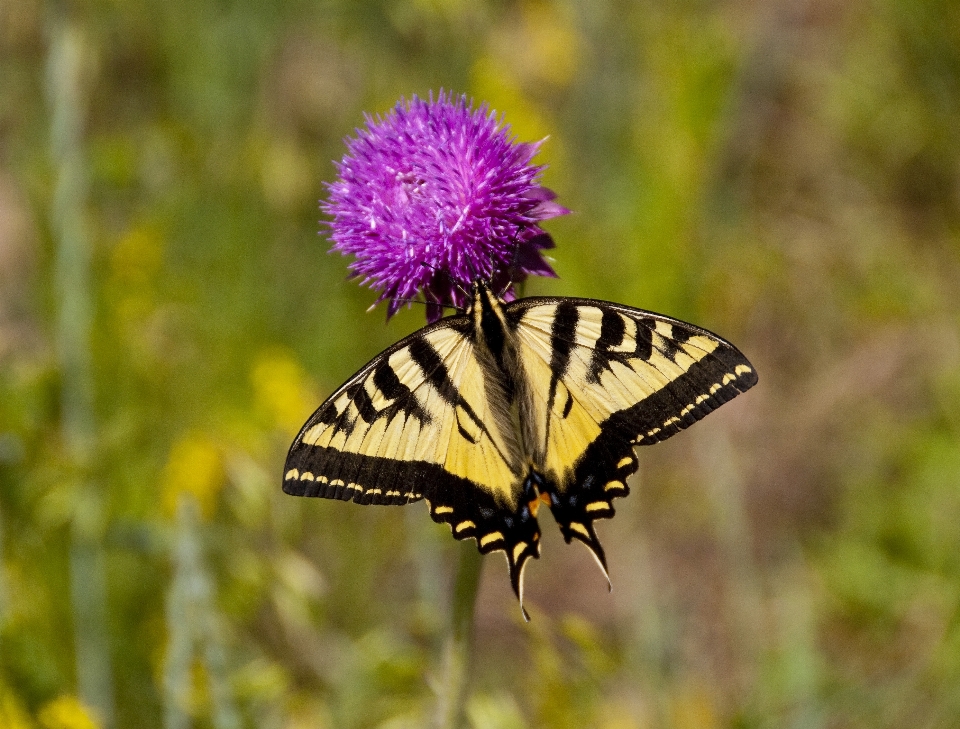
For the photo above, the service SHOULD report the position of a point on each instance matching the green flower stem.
(193, 625)
(66, 94)
(4, 592)
(458, 645)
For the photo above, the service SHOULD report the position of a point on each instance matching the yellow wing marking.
(663, 329)
(620, 386)
(491, 538)
(568, 436)
(482, 455)
(589, 323)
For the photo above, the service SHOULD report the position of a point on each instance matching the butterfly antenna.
(450, 278)
(411, 301)
(399, 301)
(513, 263)
(472, 270)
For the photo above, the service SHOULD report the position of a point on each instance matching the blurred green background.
(785, 173)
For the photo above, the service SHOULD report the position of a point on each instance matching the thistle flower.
(435, 194)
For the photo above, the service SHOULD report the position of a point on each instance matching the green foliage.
(785, 175)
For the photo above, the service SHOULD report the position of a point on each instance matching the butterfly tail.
(584, 532)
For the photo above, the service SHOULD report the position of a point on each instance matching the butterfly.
(505, 408)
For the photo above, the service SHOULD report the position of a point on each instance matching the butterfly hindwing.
(604, 378)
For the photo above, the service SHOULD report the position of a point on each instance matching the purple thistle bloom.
(434, 195)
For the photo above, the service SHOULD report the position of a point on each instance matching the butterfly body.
(492, 413)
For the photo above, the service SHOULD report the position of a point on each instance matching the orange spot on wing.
(535, 504)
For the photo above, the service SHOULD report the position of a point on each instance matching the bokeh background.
(785, 173)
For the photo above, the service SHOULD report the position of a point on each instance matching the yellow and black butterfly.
(489, 414)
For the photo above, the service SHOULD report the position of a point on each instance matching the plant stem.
(193, 624)
(458, 645)
(67, 99)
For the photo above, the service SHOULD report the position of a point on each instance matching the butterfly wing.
(602, 378)
(424, 419)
